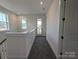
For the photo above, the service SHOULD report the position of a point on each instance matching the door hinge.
(64, 0)
(63, 19)
(62, 37)
(61, 53)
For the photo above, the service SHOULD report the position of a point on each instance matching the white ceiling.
(26, 6)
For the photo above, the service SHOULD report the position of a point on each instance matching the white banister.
(19, 44)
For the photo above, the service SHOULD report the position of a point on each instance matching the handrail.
(3, 41)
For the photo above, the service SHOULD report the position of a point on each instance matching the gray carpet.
(41, 49)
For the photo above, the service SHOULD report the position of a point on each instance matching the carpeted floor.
(41, 49)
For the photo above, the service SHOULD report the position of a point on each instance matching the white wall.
(53, 25)
(19, 44)
(13, 20)
(70, 43)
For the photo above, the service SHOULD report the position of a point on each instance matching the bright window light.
(4, 23)
(39, 26)
(24, 23)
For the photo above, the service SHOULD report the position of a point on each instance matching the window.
(39, 26)
(24, 23)
(4, 24)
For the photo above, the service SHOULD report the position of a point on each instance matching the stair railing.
(3, 48)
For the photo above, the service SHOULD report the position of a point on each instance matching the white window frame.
(25, 24)
(6, 22)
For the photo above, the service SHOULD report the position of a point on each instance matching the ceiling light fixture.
(41, 2)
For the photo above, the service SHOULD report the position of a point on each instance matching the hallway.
(38, 29)
(41, 49)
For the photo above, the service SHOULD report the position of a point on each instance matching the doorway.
(39, 26)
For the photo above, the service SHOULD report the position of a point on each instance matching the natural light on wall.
(23, 22)
(4, 23)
